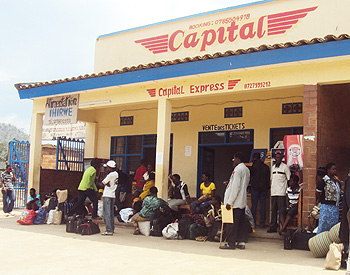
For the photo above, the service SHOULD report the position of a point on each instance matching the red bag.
(27, 217)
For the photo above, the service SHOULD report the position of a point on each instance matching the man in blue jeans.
(7, 179)
(110, 185)
(260, 185)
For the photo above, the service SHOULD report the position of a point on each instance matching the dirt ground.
(48, 249)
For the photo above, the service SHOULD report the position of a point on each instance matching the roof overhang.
(221, 64)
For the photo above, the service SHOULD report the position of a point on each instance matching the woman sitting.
(328, 193)
(207, 192)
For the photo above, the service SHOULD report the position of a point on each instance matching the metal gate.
(19, 160)
(70, 154)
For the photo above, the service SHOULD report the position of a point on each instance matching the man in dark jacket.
(260, 185)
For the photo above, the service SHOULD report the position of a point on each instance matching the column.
(163, 147)
(90, 140)
(35, 151)
(310, 149)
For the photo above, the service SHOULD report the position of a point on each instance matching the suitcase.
(301, 240)
(70, 224)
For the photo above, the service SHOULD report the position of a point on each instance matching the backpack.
(123, 178)
(89, 228)
(162, 211)
(184, 225)
(196, 230)
(157, 225)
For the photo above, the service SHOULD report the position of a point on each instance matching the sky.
(48, 40)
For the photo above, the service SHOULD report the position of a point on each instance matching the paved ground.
(48, 249)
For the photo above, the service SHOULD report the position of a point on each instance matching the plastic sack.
(126, 214)
(41, 216)
(62, 195)
(27, 217)
(171, 231)
(333, 258)
(57, 216)
(145, 228)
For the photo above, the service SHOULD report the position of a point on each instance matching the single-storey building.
(186, 94)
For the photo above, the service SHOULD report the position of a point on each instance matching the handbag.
(333, 258)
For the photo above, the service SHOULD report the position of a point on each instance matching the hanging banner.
(52, 132)
(294, 155)
(61, 110)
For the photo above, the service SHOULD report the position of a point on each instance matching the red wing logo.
(157, 44)
(151, 92)
(278, 23)
(233, 83)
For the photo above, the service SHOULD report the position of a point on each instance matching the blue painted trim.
(187, 17)
(269, 57)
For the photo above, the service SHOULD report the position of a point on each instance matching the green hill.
(9, 132)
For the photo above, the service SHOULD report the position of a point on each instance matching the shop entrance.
(215, 153)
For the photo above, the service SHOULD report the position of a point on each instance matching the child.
(292, 200)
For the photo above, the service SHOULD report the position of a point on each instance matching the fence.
(19, 160)
(70, 154)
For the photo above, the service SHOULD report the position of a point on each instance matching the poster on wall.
(294, 155)
(61, 110)
(261, 152)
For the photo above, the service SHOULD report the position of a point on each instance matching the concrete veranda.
(48, 249)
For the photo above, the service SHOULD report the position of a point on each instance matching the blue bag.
(41, 216)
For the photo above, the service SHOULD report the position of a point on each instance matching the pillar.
(163, 147)
(310, 149)
(90, 140)
(35, 151)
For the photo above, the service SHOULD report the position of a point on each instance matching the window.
(233, 112)
(277, 134)
(292, 108)
(180, 116)
(227, 137)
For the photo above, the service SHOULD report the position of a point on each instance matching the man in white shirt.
(110, 185)
(280, 176)
(236, 197)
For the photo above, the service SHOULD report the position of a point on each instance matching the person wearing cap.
(110, 183)
(87, 189)
(235, 198)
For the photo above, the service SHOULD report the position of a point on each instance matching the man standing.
(279, 178)
(7, 178)
(87, 188)
(236, 197)
(260, 182)
(110, 182)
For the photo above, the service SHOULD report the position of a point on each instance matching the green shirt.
(149, 206)
(88, 180)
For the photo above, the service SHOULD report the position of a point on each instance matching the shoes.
(272, 230)
(12, 213)
(7, 214)
(137, 232)
(241, 245)
(227, 246)
(97, 218)
(107, 233)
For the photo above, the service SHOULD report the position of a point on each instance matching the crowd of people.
(284, 188)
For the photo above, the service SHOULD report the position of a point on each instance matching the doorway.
(215, 153)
